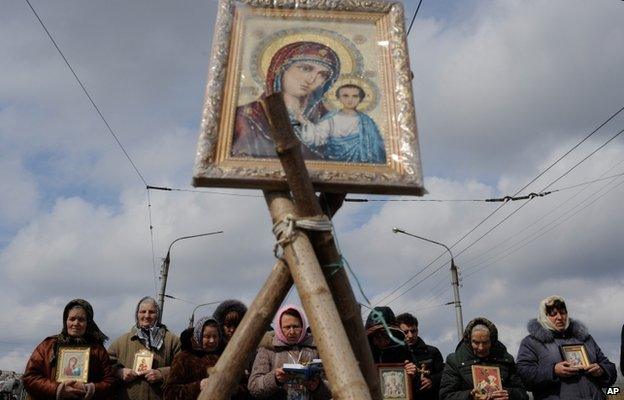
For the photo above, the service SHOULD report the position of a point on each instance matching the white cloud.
(501, 91)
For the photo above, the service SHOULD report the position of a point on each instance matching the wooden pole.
(330, 337)
(229, 369)
(232, 363)
(288, 149)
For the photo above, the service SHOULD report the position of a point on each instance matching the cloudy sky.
(502, 90)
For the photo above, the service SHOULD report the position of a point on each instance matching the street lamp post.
(459, 319)
(192, 319)
(164, 270)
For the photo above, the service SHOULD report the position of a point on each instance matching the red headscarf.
(308, 52)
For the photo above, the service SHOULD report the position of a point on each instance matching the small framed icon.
(575, 354)
(486, 379)
(73, 364)
(143, 360)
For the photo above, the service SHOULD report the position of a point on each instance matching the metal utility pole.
(459, 319)
(164, 270)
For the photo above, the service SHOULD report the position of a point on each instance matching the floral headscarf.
(198, 332)
(154, 336)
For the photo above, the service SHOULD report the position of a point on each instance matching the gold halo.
(347, 60)
(372, 94)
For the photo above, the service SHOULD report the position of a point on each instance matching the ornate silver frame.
(401, 175)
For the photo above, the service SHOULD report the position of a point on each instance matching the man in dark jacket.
(480, 347)
(427, 359)
(542, 367)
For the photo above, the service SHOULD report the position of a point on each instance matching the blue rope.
(377, 316)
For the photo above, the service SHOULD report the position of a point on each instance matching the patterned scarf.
(154, 336)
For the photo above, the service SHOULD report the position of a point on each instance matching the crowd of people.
(558, 359)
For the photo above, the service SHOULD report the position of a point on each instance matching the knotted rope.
(286, 230)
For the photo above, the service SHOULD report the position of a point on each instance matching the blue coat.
(540, 351)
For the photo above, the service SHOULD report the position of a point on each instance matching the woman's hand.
(280, 375)
(594, 370)
(499, 395)
(474, 394)
(126, 374)
(73, 390)
(410, 368)
(563, 369)
(153, 376)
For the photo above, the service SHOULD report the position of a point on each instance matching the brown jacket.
(262, 383)
(187, 371)
(40, 375)
(122, 353)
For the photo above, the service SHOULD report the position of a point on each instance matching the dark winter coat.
(540, 351)
(395, 353)
(40, 375)
(457, 381)
(188, 369)
(430, 358)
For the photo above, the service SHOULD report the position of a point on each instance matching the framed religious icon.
(575, 354)
(342, 69)
(486, 379)
(73, 364)
(143, 360)
(394, 382)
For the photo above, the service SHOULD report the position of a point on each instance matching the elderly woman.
(201, 347)
(480, 346)
(146, 334)
(291, 345)
(79, 329)
(544, 370)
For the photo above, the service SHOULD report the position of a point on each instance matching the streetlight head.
(396, 230)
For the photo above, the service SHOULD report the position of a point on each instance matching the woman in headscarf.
(544, 370)
(79, 330)
(292, 344)
(201, 347)
(229, 314)
(303, 72)
(480, 346)
(146, 334)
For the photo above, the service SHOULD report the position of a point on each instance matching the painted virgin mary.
(303, 72)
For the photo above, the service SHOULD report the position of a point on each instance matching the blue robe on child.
(365, 145)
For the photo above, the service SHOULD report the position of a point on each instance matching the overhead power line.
(504, 203)
(86, 92)
(530, 236)
(551, 211)
(413, 18)
(474, 269)
(546, 187)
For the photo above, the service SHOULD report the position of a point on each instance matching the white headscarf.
(542, 317)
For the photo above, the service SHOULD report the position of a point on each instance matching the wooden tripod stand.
(347, 359)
